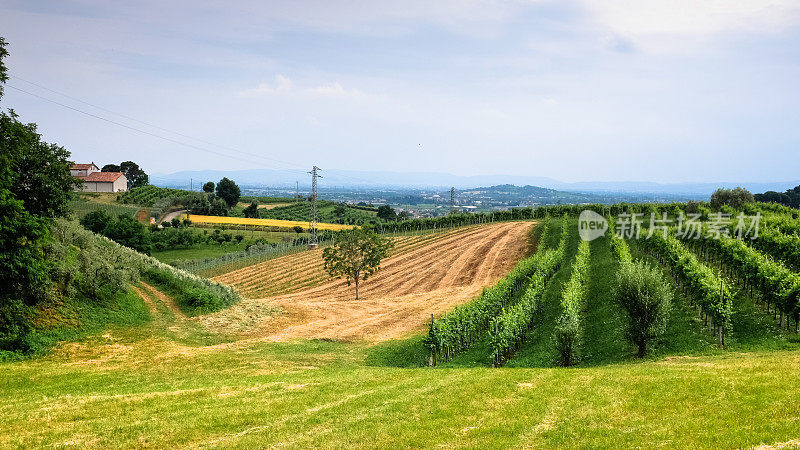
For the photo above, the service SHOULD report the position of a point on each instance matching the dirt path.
(400, 298)
(162, 306)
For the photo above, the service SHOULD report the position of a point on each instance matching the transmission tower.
(452, 200)
(313, 242)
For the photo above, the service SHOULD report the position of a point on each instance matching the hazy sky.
(672, 90)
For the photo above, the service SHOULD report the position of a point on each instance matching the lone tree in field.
(228, 191)
(355, 255)
(645, 297)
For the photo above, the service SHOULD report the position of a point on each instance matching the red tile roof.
(84, 166)
(102, 177)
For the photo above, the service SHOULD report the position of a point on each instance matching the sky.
(643, 90)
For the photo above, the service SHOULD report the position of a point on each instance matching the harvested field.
(425, 275)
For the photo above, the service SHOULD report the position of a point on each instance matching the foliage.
(507, 331)
(129, 232)
(228, 191)
(735, 198)
(251, 211)
(706, 288)
(96, 221)
(24, 273)
(387, 213)
(790, 198)
(135, 175)
(777, 285)
(327, 211)
(111, 168)
(459, 329)
(643, 294)
(147, 195)
(208, 187)
(166, 204)
(618, 245)
(3, 68)
(355, 255)
(174, 238)
(567, 336)
(37, 173)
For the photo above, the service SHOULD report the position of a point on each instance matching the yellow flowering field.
(264, 222)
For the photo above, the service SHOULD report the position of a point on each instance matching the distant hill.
(336, 178)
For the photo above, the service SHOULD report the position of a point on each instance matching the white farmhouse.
(96, 181)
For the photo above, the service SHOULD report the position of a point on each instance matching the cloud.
(282, 85)
(334, 90)
(618, 44)
(285, 86)
(691, 17)
(687, 26)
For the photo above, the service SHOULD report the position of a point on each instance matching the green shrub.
(567, 335)
(201, 300)
(643, 294)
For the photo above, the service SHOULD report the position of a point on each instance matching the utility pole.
(297, 191)
(191, 184)
(313, 242)
(452, 200)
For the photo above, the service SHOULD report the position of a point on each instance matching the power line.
(157, 127)
(174, 141)
(152, 125)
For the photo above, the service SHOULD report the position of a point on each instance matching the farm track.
(425, 275)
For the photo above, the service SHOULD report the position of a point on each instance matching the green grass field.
(139, 387)
(170, 383)
(205, 250)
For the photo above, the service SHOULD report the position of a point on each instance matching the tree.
(355, 255)
(251, 211)
(24, 273)
(386, 212)
(135, 175)
(37, 173)
(209, 187)
(3, 69)
(297, 229)
(403, 215)
(96, 221)
(645, 297)
(218, 207)
(129, 232)
(735, 198)
(228, 191)
(25, 210)
(774, 197)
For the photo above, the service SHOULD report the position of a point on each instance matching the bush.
(645, 297)
(96, 221)
(201, 300)
(567, 335)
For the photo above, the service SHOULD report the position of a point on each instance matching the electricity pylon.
(313, 242)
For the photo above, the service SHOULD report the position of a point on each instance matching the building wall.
(95, 186)
(82, 172)
(121, 184)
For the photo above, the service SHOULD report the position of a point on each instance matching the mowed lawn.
(136, 389)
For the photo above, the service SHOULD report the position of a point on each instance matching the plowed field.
(425, 275)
